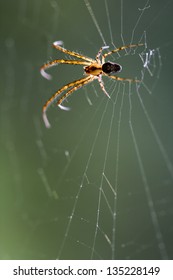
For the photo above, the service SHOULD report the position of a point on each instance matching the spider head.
(110, 67)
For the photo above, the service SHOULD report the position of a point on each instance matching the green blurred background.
(50, 175)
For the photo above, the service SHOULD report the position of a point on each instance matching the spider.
(93, 69)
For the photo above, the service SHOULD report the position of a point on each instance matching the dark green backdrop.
(42, 170)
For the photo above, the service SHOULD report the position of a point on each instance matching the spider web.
(99, 183)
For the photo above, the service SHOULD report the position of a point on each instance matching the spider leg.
(57, 44)
(102, 86)
(123, 79)
(100, 52)
(74, 88)
(120, 49)
(59, 61)
(79, 82)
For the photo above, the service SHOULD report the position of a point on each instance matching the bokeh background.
(56, 184)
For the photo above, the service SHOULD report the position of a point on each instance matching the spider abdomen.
(110, 67)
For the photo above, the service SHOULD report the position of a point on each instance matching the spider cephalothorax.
(93, 68)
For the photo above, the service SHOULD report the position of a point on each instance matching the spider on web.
(93, 68)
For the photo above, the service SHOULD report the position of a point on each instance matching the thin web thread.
(94, 20)
(116, 173)
(158, 233)
(81, 186)
(102, 179)
(156, 136)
